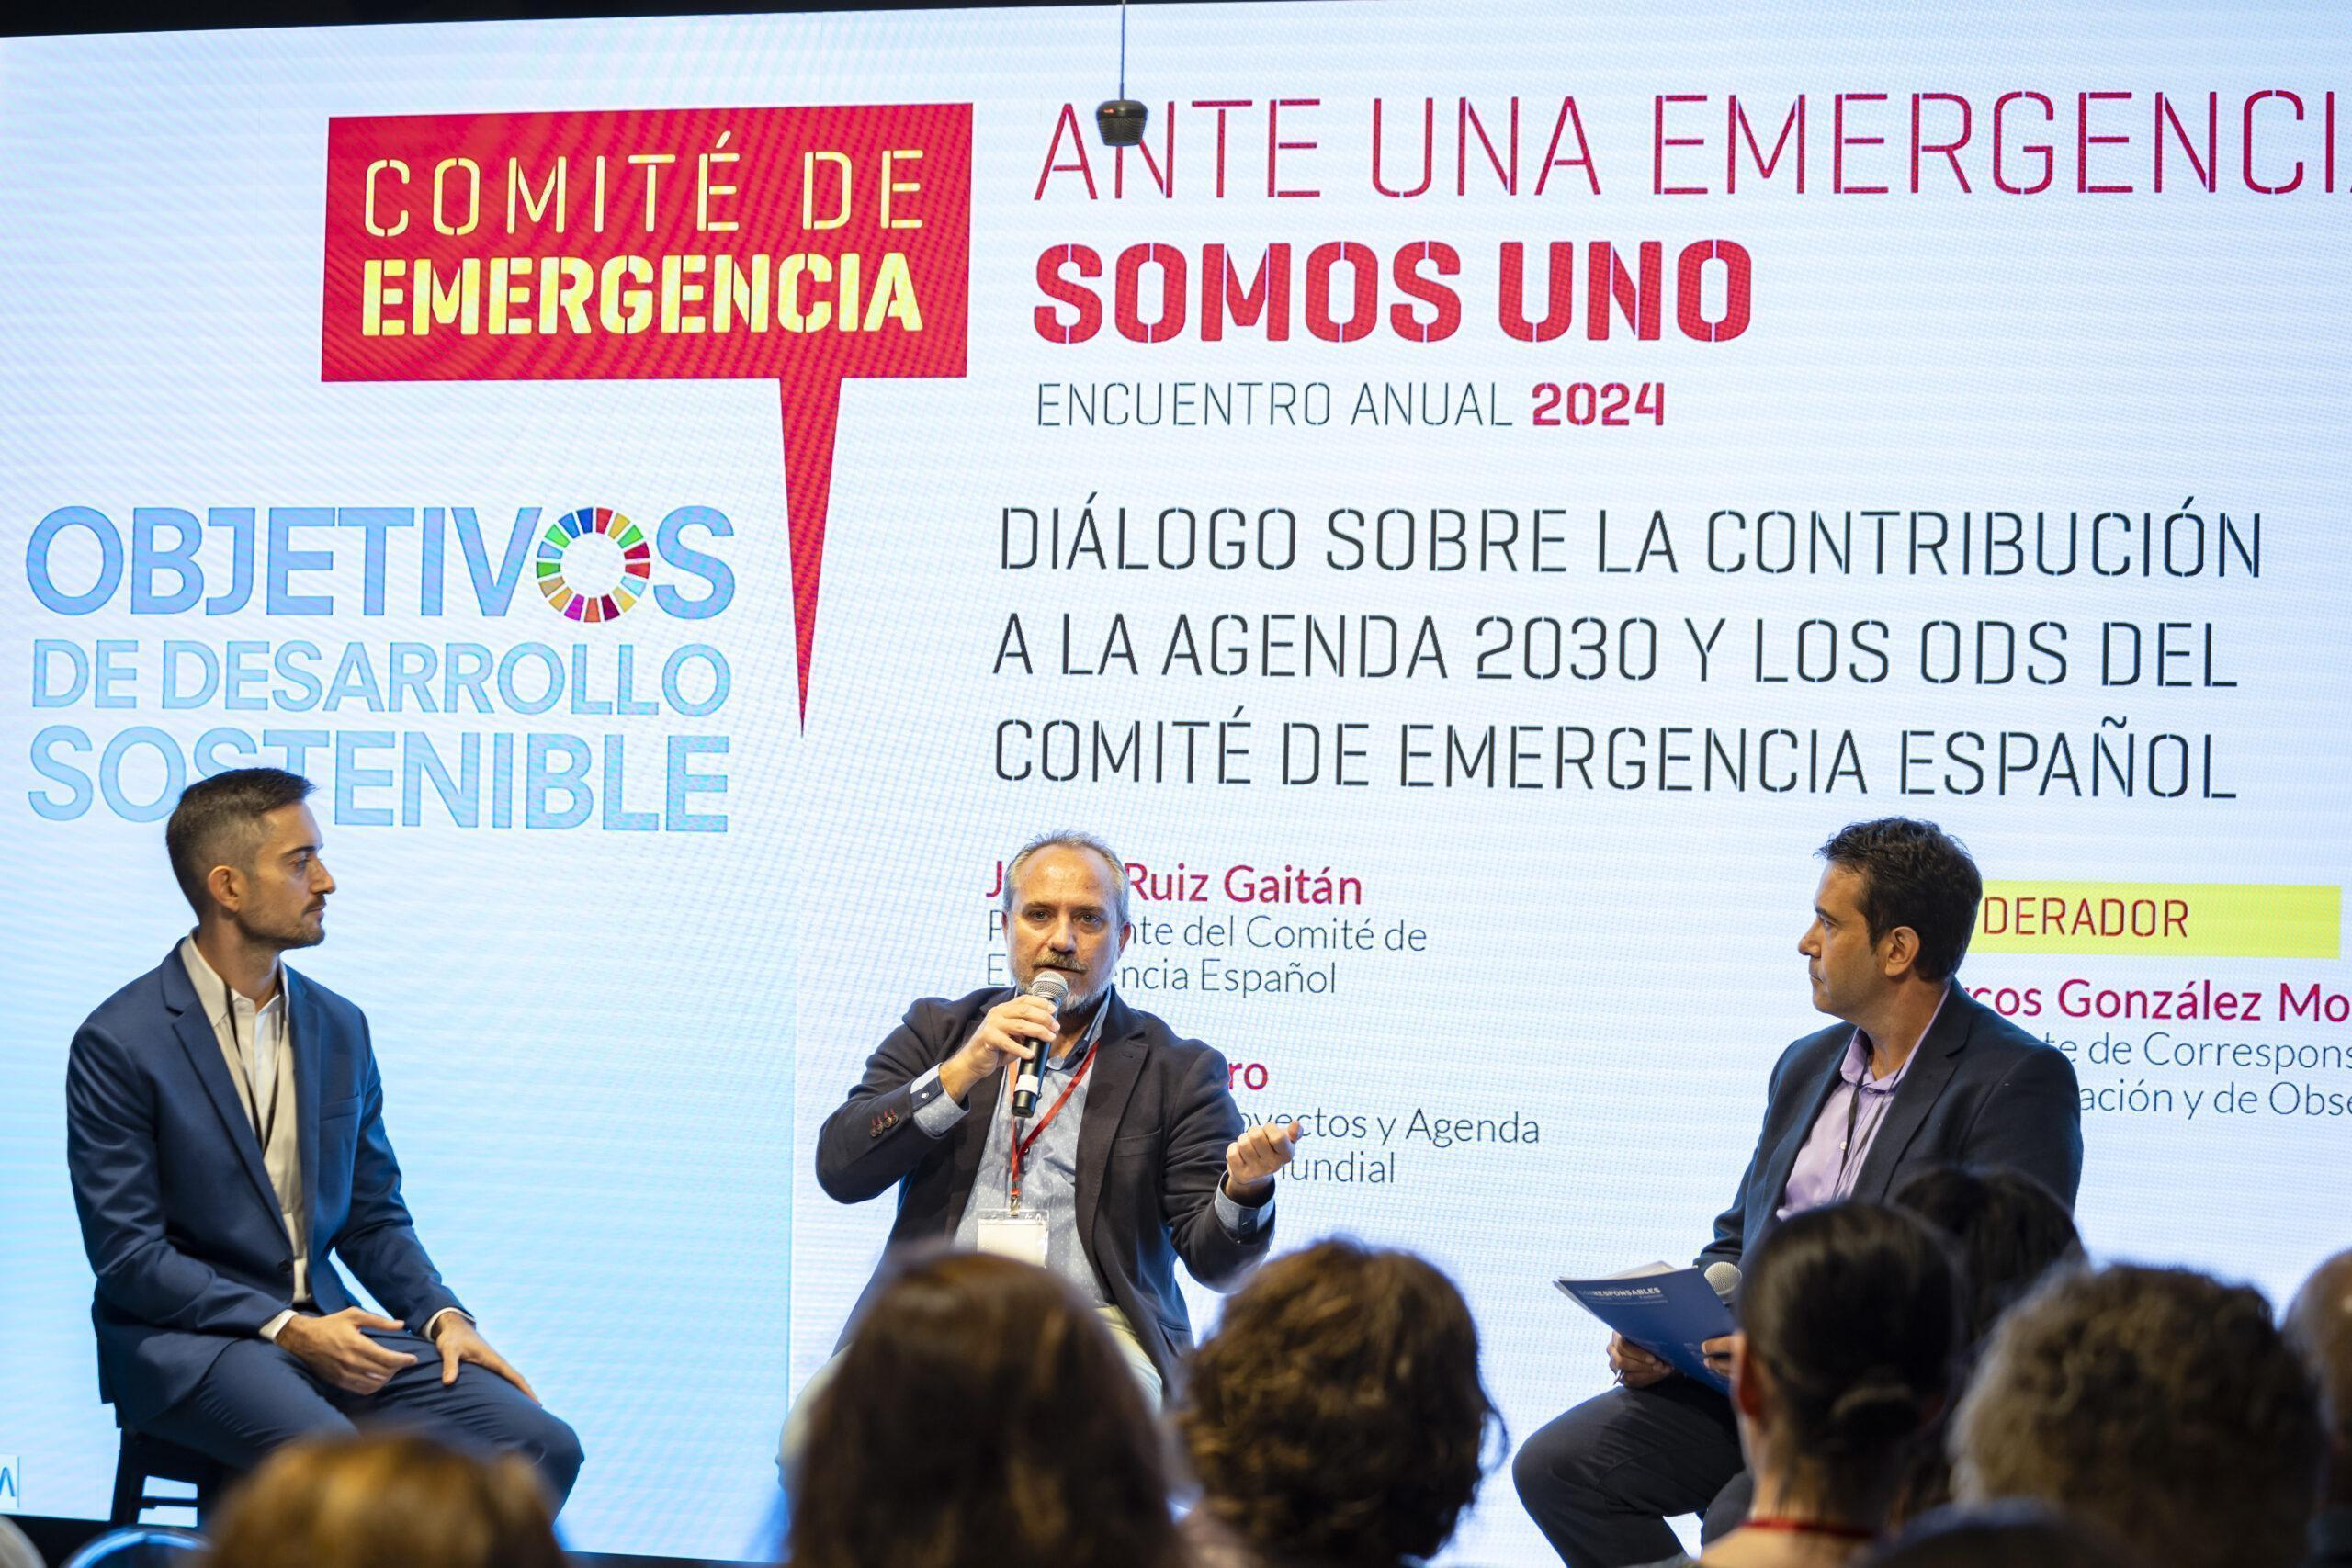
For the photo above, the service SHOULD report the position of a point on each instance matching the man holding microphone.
(1131, 1155)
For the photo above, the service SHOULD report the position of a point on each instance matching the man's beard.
(300, 934)
(1081, 995)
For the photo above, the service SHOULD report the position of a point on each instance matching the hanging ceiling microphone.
(1121, 120)
(1053, 986)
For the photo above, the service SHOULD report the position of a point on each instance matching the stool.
(144, 1458)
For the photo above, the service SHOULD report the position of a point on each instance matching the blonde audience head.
(387, 1500)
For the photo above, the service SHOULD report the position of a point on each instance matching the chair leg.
(129, 1490)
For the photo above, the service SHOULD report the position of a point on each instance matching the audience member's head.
(16, 1551)
(1849, 1319)
(2014, 1534)
(2158, 1403)
(981, 1415)
(1337, 1416)
(2319, 1327)
(387, 1500)
(2008, 1229)
(138, 1546)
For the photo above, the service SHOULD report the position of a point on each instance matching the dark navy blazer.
(178, 1213)
(1980, 1091)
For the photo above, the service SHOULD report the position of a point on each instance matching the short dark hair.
(2158, 1403)
(388, 1497)
(2009, 1229)
(1337, 1415)
(216, 823)
(1914, 873)
(1998, 1535)
(1852, 1312)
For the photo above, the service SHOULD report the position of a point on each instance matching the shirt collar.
(1086, 1040)
(212, 990)
(1855, 1069)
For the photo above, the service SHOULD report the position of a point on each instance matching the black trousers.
(1601, 1480)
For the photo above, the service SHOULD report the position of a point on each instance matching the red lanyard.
(1022, 1145)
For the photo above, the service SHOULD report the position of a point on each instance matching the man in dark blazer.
(225, 1139)
(1919, 1073)
(1134, 1156)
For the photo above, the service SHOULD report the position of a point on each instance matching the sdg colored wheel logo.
(593, 564)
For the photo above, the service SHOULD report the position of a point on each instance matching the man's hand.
(333, 1347)
(1011, 1030)
(1635, 1367)
(1718, 1353)
(458, 1342)
(1252, 1159)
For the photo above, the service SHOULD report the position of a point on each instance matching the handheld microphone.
(1723, 1279)
(1054, 987)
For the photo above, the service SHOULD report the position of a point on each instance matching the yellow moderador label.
(2166, 920)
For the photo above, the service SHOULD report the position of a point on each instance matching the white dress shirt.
(258, 1044)
(259, 1048)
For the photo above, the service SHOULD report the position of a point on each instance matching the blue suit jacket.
(178, 1213)
(1980, 1091)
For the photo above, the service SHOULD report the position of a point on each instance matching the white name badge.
(1015, 1235)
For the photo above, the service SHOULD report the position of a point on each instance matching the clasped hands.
(337, 1351)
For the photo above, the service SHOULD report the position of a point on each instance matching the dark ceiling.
(163, 16)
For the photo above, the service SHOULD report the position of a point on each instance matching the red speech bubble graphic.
(804, 245)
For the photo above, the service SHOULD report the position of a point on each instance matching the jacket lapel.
(1792, 1137)
(307, 1024)
(1118, 1062)
(193, 1031)
(1932, 1067)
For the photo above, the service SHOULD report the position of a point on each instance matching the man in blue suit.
(225, 1136)
(1919, 1073)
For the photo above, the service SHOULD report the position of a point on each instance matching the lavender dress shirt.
(1840, 1140)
